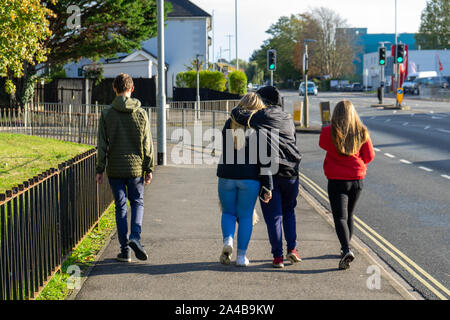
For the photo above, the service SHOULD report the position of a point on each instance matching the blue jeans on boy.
(280, 211)
(134, 188)
(238, 199)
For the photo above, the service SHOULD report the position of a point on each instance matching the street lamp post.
(198, 84)
(162, 160)
(305, 80)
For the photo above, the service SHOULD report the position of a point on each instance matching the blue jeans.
(280, 211)
(238, 199)
(134, 187)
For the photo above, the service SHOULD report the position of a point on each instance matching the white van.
(410, 86)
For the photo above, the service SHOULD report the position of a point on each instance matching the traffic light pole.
(271, 77)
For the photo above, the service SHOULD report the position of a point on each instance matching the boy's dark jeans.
(343, 195)
(134, 188)
(279, 214)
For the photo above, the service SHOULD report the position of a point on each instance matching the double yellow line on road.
(416, 271)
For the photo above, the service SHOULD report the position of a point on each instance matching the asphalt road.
(406, 198)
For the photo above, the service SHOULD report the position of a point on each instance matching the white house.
(186, 36)
(418, 60)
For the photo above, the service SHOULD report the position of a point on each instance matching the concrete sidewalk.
(181, 232)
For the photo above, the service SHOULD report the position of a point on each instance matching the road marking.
(426, 169)
(387, 120)
(360, 224)
(405, 123)
(376, 149)
(445, 176)
(433, 117)
(389, 155)
(426, 128)
(443, 130)
(405, 161)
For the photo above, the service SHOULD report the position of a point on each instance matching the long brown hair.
(251, 101)
(347, 131)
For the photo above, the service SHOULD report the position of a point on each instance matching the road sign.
(399, 95)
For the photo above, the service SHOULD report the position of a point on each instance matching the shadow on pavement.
(111, 266)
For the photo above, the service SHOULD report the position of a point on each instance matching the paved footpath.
(181, 232)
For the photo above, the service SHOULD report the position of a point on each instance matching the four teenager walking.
(260, 159)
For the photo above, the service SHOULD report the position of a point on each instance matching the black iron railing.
(43, 219)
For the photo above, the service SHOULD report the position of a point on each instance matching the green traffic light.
(399, 59)
(382, 61)
(272, 67)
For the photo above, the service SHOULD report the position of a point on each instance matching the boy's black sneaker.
(138, 249)
(344, 263)
(124, 257)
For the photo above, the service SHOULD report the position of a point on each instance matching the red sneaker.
(293, 256)
(278, 262)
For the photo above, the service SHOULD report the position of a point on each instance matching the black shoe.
(346, 259)
(124, 257)
(138, 249)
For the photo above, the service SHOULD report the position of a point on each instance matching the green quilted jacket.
(125, 145)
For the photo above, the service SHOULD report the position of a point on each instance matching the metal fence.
(43, 219)
(80, 123)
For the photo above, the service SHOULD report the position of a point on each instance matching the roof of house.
(185, 8)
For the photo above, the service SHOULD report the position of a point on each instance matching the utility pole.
(229, 46)
(396, 65)
(162, 158)
(236, 33)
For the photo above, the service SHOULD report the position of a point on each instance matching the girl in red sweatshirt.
(349, 149)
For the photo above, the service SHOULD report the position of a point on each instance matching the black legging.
(343, 195)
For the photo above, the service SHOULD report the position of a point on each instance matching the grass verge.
(82, 257)
(22, 156)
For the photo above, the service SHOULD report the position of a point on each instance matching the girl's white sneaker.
(242, 261)
(225, 257)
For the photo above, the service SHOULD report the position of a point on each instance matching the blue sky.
(256, 16)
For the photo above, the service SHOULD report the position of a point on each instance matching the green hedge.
(213, 80)
(237, 82)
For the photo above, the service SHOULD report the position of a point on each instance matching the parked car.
(348, 87)
(357, 87)
(436, 82)
(312, 88)
(412, 81)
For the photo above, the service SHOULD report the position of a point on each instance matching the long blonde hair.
(251, 101)
(347, 131)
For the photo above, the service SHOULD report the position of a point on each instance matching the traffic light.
(382, 56)
(400, 53)
(271, 60)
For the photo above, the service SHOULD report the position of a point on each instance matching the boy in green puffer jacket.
(125, 149)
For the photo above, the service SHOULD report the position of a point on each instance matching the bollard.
(325, 113)
(298, 106)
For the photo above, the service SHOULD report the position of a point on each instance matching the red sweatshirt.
(340, 167)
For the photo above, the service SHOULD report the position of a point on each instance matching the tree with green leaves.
(105, 28)
(24, 28)
(283, 38)
(335, 48)
(434, 30)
